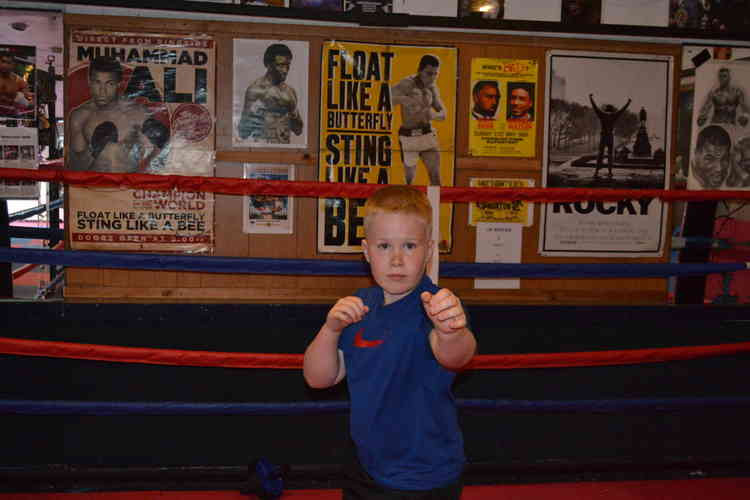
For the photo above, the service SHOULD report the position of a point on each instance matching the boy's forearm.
(453, 350)
(321, 366)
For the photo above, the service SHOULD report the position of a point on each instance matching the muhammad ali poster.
(720, 132)
(607, 126)
(270, 93)
(140, 103)
(387, 117)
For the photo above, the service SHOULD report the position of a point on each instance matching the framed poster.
(19, 137)
(387, 117)
(507, 211)
(502, 120)
(713, 16)
(636, 12)
(270, 93)
(693, 57)
(447, 8)
(720, 132)
(140, 103)
(17, 65)
(19, 149)
(331, 5)
(268, 214)
(369, 6)
(607, 126)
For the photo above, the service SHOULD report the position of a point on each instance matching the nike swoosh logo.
(361, 342)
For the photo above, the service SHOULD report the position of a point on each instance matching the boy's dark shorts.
(360, 486)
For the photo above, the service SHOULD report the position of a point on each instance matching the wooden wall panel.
(121, 285)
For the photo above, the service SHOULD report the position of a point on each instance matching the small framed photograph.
(268, 214)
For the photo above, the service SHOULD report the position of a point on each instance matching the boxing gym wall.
(188, 393)
(118, 285)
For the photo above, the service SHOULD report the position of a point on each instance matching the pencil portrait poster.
(387, 117)
(607, 127)
(720, 132)
(693, 57)
(270, 93)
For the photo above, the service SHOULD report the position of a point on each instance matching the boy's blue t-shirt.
(403, 414)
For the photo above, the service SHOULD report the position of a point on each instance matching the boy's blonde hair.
(401, 199)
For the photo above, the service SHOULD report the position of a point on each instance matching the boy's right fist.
(346, 311)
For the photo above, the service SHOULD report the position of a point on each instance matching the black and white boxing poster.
(607, 126)
(270, 93)
(720, 131)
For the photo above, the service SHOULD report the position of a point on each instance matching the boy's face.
(398, 249)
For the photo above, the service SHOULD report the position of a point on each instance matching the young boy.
(399, 343)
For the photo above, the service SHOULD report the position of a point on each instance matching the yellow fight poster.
(387, 117)
(502, 119)
(508, 211)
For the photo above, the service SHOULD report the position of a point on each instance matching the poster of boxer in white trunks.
(387, 117)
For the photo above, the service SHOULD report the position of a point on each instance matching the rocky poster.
(607, 122)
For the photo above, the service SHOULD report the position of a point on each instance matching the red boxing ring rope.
(175, 357)
(235, 186)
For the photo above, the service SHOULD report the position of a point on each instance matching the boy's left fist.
(445, 310)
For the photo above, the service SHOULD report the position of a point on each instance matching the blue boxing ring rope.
(322, 267)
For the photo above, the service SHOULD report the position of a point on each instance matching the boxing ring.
(207, 400)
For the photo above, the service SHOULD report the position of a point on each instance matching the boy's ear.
(365, 249)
